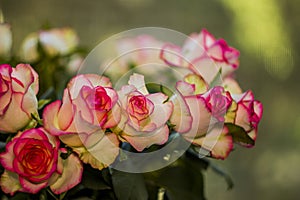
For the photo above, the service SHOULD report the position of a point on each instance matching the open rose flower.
(144, 115)
(89, 107)
(32, 162)
(248, 113)
(203, 54)
(5, 40)
(57, 41)
(202, 114)
(18, 89)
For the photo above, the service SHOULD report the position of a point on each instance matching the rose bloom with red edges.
(204, 55)
(88, 108)
(248, 113)
(18, 89)
(32, 162)
(143, 116)
(196, 109)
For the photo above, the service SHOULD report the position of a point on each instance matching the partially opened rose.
(144, 115)
(202, 115)
(203, 54)
(32, 162)
(248, 113)
(82, 117)
(18, 89)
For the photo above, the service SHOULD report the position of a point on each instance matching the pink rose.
(248, 113)
(18, 89)
(32, 162)
(200, 113)
(203, 54)
(89, 107)
(5, 41)
(218, 102)
(144, 115)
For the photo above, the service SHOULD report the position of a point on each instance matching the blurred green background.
(267, 34)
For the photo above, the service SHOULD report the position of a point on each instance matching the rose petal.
(29, 103)
(112, 94)
(23, 77)
(81, 105)
(258, 109)
(181, 115)
(185, 88)
(138, 82)
(10, 126)
(253, 135)
(66, 112)
(192, 48)
(50, 118)
(89, 140)
(217, 49)
(72, 140)
(218, 141)
(102, 154)
(83, 126)
(231, 86)
(201, 117)
(90, 80)
(38, 134)
(123, 94)
(114, 117)
(200, 85)
(70, 177)
(171, 55)
(159, 136)
(7, 157)
(205, 67)
(243, 116)
(30, 187)
(5, 87)
(207, 38)
(9, 182)
(162, 111)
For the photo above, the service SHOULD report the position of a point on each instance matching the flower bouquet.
(139, 117)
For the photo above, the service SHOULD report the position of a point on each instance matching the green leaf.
(43, 102)
(220, 172)
(204, 163)
(20, 196)
(182, 180)
(239, 135)
(2, 145)
(217, 79)
(129, 186)
(93, 179)
(154, 87)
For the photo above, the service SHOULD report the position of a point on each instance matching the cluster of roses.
(92, 120)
